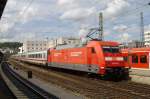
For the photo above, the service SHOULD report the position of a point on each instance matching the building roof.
(2, 6)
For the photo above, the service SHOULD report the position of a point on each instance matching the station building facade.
(147, 38)
(30, 46)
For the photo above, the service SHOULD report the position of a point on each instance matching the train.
(97, 57)
(138, 59)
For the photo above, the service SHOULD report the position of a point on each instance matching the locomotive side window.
(93, 50)
(134, 59)
(143, 59)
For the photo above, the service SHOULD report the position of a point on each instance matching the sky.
(40, 19)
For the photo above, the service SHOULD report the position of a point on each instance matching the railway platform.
(140, 76)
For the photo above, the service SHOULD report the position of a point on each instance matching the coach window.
(143, 59)
(134, 59)
(44, 55)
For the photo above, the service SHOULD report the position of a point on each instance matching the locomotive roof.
(34, 52)
(2, 6)
(102, 43)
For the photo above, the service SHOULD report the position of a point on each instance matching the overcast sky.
(38, 19)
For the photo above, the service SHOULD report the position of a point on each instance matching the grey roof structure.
(2, 6)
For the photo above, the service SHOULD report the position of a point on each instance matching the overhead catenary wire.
(133, 11)
(20, 14)
(24, 11)
(126, 14)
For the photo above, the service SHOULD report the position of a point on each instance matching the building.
(7, 50)
(136, 44)
(132, 44)
(52, 43)
(30, 46)
(67, 41)
(147, 38)
(20, 49)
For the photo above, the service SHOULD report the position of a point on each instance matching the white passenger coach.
(38, 57)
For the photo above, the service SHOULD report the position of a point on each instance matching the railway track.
(91, 87)
(30, 90)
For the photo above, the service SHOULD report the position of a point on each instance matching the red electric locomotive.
(99, 57)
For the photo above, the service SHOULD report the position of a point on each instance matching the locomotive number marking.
(57, 54)
(75, 53)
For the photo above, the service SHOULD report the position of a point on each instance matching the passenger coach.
(138, 59)
(39, 57)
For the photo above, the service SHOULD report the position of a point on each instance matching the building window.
(143, 59)
(134, 59)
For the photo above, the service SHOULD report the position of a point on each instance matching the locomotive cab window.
(134, 59)
(125, 58)
(111, 49)
(143, 59)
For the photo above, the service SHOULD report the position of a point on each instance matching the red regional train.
(138, 59)
(98, 57)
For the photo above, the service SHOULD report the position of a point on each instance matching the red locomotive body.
(98, 57)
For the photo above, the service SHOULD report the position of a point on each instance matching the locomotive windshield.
(111, 49)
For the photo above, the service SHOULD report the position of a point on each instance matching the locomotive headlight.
(108, 58)
(119, 58)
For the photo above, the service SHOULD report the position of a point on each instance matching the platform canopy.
(2, 6)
